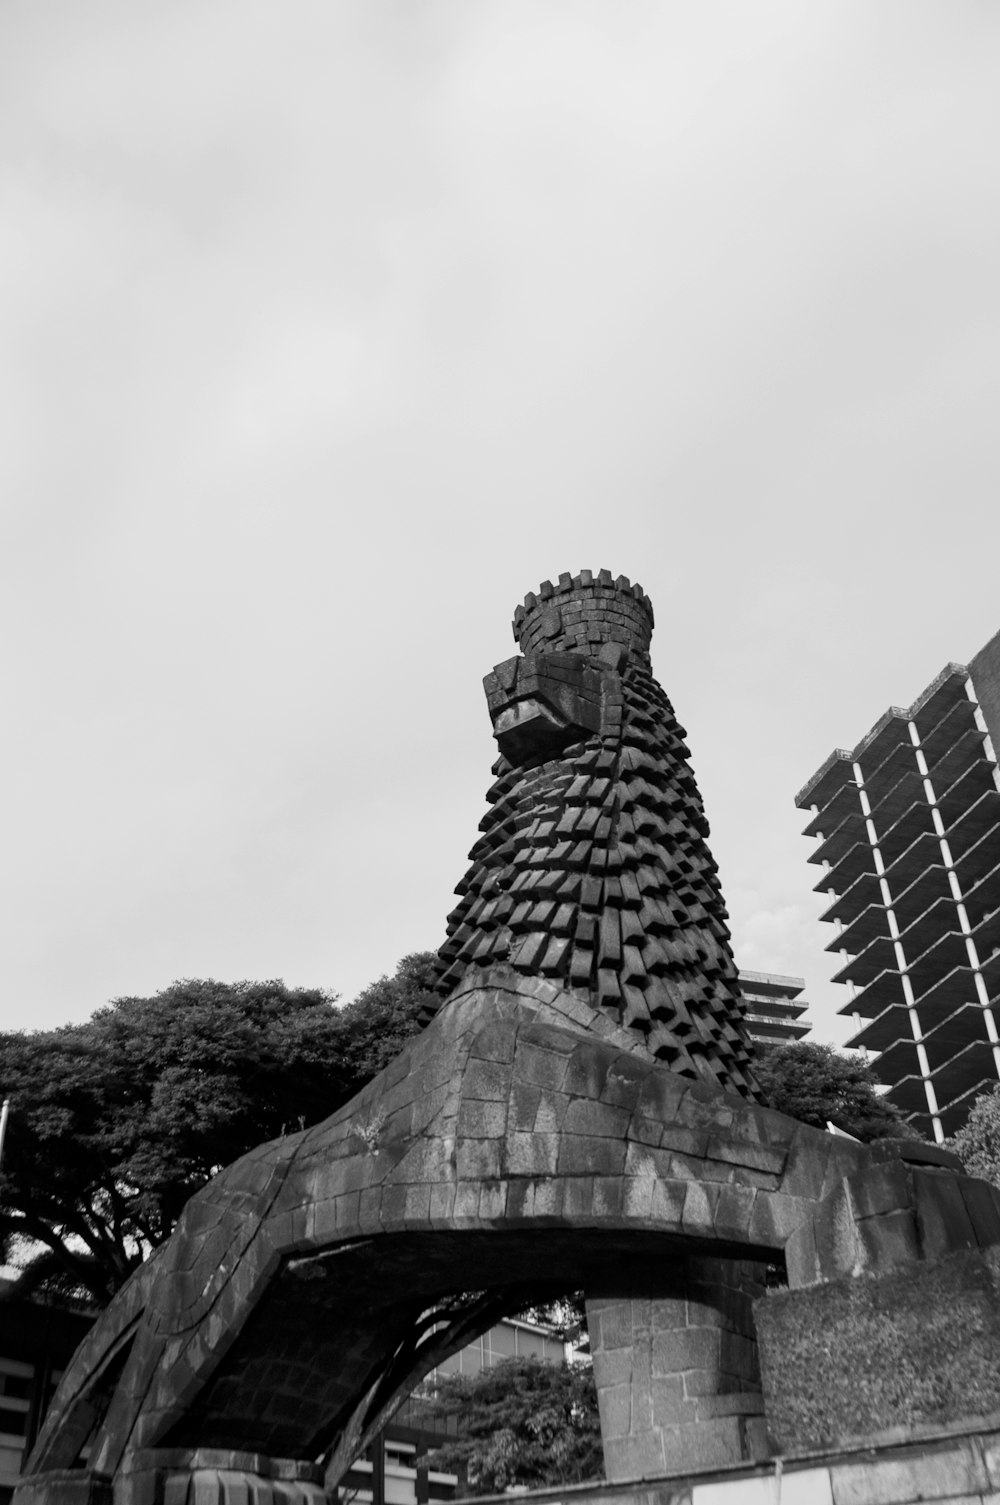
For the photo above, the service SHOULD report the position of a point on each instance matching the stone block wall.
(677, 1373)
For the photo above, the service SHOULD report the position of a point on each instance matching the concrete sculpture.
(578, 1113)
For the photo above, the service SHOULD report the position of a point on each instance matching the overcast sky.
(329, 330)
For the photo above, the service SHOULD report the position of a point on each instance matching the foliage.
(814, 1083)
(977, 1143)
(522, 1424)
(115, 1123)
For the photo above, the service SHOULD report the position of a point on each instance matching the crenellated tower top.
(583, 611)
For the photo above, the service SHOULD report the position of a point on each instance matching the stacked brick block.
(678, 1375)
(592, 868)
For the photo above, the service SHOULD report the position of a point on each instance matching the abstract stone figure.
(577, 1114)
(592, 868)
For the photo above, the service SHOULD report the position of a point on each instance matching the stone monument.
(577, 1114)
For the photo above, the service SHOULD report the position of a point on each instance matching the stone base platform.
(954, 1466)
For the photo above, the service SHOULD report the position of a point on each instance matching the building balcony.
(942, 957)
(916, 820)
(979, 820)
(858, 860)
(827, 819)
(919, 855)
(886, 989)
(877, 957)
(891, 1025)
(982, 896)
(979, 861)
(926, 889)
(836, 845)
(828, 781)
(937, 920)
(966, 790)
(952, 762)
(901, 759)
(942, 695)
(887, 736)
(871, 924)
(853, 901)
(908, 790)
(957, 722)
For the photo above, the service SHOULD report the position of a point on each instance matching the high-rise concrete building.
(909, 829)
(773, 1016)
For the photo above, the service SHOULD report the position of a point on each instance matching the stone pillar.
(678, 1381)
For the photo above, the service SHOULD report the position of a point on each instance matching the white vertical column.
(979, 982)
(904, 976)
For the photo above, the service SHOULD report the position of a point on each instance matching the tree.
(977, 1143)
(816, 1084)
(522, 1424)
(117, 1122)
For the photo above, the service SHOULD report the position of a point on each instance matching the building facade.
(908, 826)
(774, 1011)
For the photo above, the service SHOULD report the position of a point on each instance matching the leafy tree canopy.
(817, 1084)
(977, 1143)
(521, 1424)
(117, 1122)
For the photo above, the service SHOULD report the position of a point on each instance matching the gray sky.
(329, 330)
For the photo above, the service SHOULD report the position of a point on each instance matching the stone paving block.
(889, 1240)
(616, 1411)
(883, 1188)
(578, 1196)
(493, 1201)
(707, 1444)
(668, 1201)
(669, 1400)
(496, 1042)
(890, 1481)
(478, 1159)
(465, 1210)
(756, 1157)
(550, 1116)
(523, 1109)
(370, 1209)
(549, 1037)
(943, 1219)
(598, 1118)
(392, 1208)
(624, 1083)
(685, 1141)
(487, 1080)
(700, 1202)
(686, 1348)
(609, 1197)
(638, 1194)
(583, 1153)
(532, 1154)
(734, 1211)
(542, 1068)
(479, 1119)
